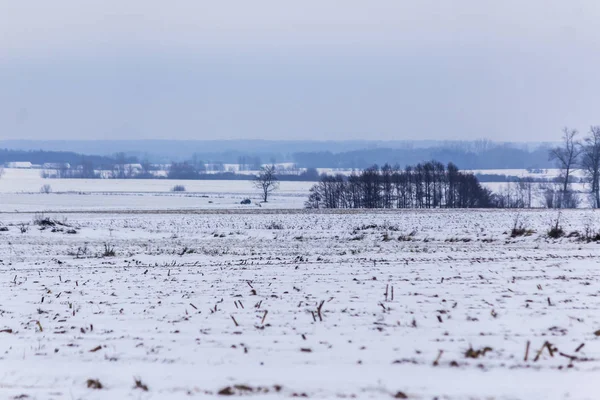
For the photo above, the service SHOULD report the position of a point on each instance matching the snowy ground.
(196, 303)
(20, 191)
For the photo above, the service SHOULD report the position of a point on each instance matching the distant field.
(20, 191)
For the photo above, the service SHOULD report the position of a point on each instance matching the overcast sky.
(311, 69)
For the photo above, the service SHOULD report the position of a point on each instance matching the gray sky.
(311, 69)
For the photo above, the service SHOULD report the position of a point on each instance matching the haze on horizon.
(315, 70)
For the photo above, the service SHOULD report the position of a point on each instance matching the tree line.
(425, 185)
(488, 155)
(198, 171)
(41, 157)
(469, 155)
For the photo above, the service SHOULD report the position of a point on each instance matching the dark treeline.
(489, 157)
(480, 154)
(347, 153)
(41, 157)
(425, 185)
(198, 171)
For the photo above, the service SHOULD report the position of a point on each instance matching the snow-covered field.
(277, 304)
(20, 191)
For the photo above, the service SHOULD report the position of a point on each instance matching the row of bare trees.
(526, 192)
(574, 154)
(426, 185)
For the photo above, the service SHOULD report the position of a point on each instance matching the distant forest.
(469, 155)
(499, 157)
(41, 157)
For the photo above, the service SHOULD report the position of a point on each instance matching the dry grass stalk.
(319, 310)
(437, 360)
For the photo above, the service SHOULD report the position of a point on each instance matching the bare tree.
(120, 164)
(131, 170)
(198, 164)
(525, 192)
(1, 171)
(566, 157)
(590, 163)
(146, 167)
(387, 185)
(266, 181)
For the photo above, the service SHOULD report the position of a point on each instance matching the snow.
(162, 310)
(30, 181)
(20, 191)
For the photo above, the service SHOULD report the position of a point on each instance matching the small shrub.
(41, 220)
(94, 384)
(178, 188)
(519, 228)
(556, 232)
(109, 250)
(246, 201)
(275, 225)
(408, 237)
(82, 251)
(595, 238)
(366, 227)
(589, 233)
(46, 189)
(517, 225)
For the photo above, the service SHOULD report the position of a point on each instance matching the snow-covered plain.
(20, 191)
(277, 304)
